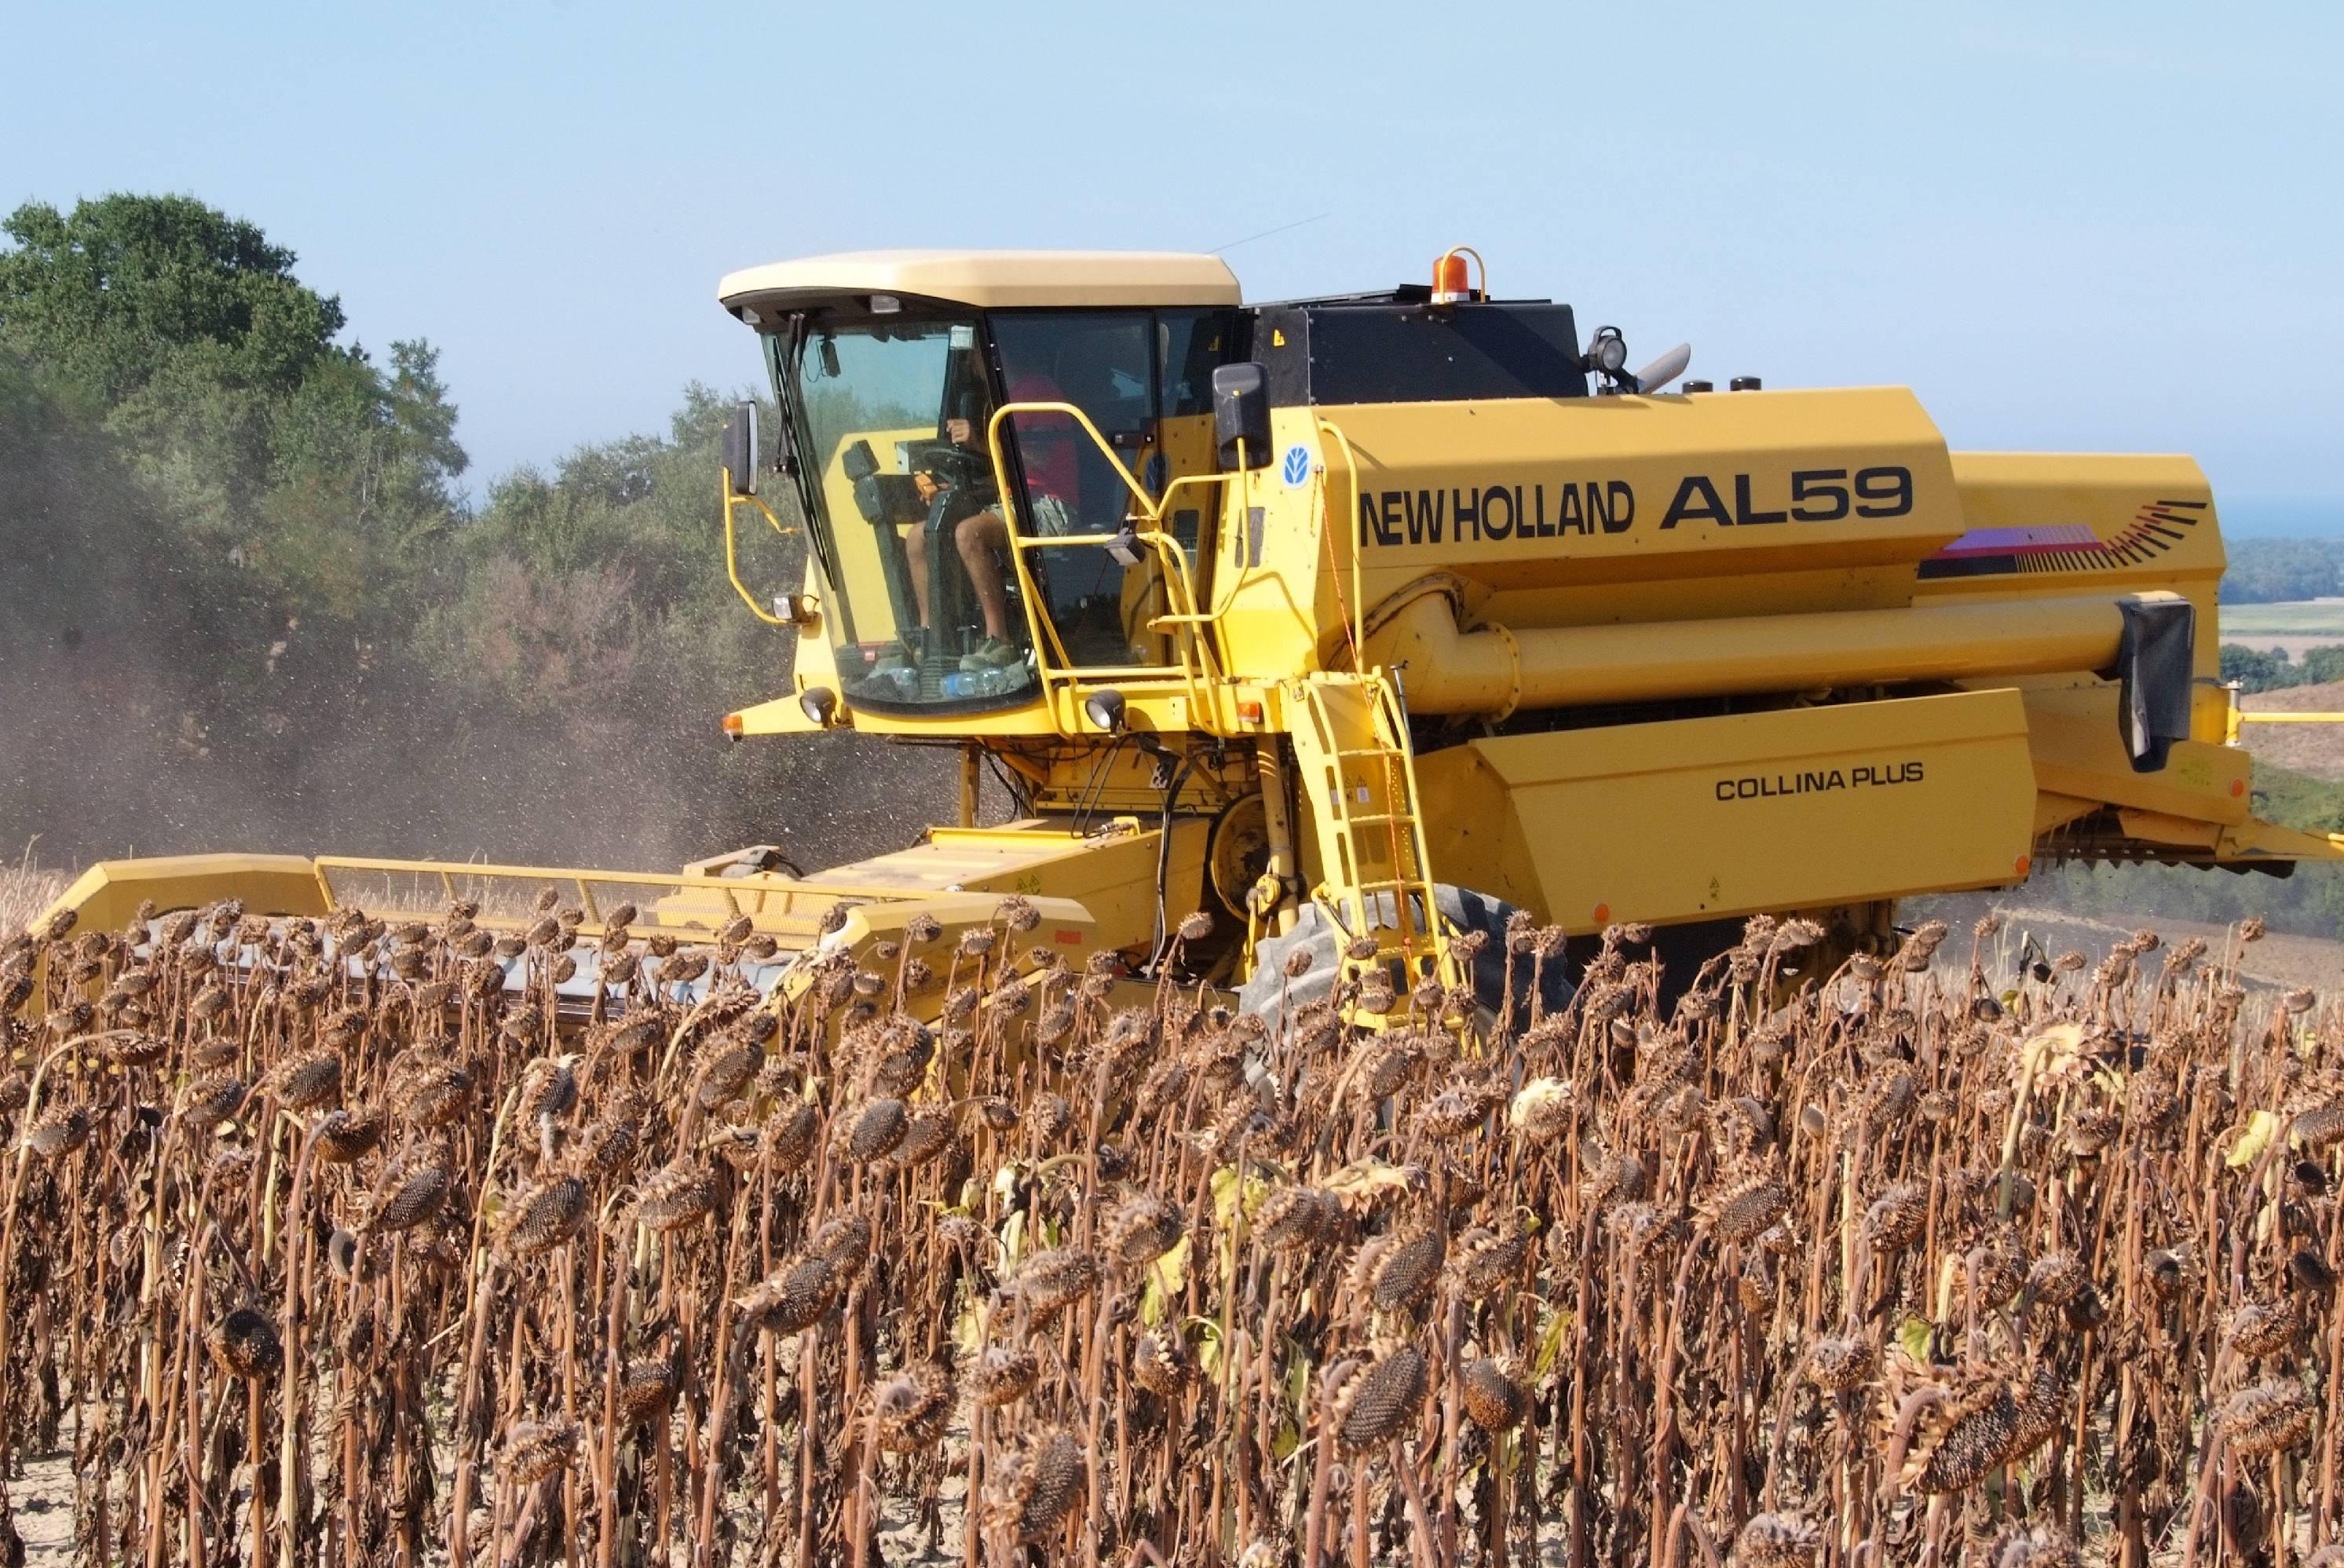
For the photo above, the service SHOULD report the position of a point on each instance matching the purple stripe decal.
(2003, 540)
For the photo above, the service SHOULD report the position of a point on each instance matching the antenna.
(1266, 233)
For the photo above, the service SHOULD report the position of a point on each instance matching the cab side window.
(1100, 361)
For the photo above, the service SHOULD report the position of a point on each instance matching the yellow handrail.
(1351, 531)
(1150, 512)
(2239, 717)
(731, 556)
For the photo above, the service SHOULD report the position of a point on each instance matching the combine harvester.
(1358, 623)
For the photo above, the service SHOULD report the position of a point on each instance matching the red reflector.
(1603, 915)
(1070, 938)
(732, 724)
(1249, 712)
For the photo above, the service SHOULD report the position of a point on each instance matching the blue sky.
(2068, 228)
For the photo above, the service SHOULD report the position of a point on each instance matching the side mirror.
(741, 449)
(1242, 414)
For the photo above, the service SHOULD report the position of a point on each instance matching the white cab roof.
(988, 278)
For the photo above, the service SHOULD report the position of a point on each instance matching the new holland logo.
(1298, 465)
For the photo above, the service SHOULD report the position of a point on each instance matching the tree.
(126, 283)
(2256, 670)
(2275, 571)
(2321, 665)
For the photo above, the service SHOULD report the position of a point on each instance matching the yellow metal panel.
(1112, 875)
(109, 894)
(2255, 840)
(2054, 524)
(1280, 580)
(2079, 751)
(1705, 818)
(2058, 810)
(1565, 496)
(2156, 827)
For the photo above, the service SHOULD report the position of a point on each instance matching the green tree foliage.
(2259, 669)
(2275, 571)
(128, 286)
(2271, 669)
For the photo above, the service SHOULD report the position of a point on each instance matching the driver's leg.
(978, 538)
(916, 555)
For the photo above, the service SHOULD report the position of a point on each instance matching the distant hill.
(2315, 750)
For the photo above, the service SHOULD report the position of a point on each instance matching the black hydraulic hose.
(1163, 857)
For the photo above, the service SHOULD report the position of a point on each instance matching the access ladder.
(1358, 770)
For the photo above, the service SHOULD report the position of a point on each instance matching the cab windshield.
(916, 537)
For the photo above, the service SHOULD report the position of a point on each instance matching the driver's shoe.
(992, 654)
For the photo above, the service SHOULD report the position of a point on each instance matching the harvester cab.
(1391, 648)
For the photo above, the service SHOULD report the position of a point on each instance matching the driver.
(1046, 444)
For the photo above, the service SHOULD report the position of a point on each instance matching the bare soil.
(2314, 749)
(2275, 961)
(45, 1515)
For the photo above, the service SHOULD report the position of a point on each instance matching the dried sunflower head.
(408, 1194)
(1895, 1220)
(534, 1451)
(1839, 1363)
(1375, 1402)
(1160, 1362)
(795, 1296)
(1050, 1281)
(2056, 1278)
(2261, 1327)
(1142, 1229)
(674, 1195)
(1296, 1216)
(1494, 1398)
(245, 1345)
(1401, 1271)
(876, 1129)
(1745, 1205)
(1030, 1491)
(910, 1409)
(2270, 1417)
(647, 1387)
(57, 1132)
(846, 1240)
(1487, 1258)
(1003, 1374)
(543, 1216)
(1964, 1435)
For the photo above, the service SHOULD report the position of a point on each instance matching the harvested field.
(2317, 750)
(2297, 625)
(365, 1256)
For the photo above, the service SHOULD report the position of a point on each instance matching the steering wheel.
(954, 467)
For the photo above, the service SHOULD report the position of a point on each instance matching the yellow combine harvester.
(1357, 623)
